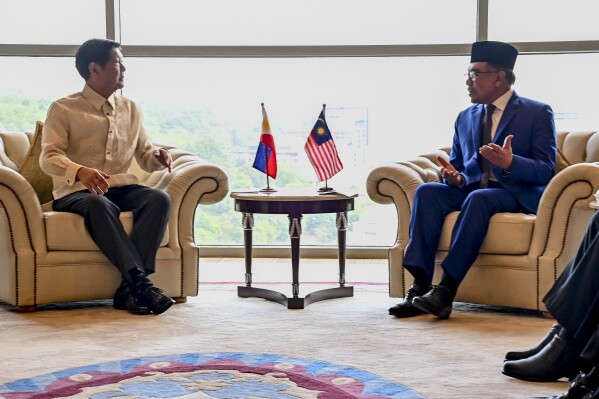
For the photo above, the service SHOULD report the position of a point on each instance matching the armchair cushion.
(508, 234)
(31, 171)
(66, 231)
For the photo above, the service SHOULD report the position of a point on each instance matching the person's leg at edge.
(432, 202)
(586, 383)
(574, 302)
(467, 237)
(568, 280)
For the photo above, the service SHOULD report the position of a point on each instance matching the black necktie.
(486, 139)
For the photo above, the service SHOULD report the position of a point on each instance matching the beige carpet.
(456, 358)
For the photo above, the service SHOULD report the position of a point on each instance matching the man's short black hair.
(93, 50)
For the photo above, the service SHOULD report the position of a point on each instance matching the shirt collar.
(96, 99)
(502, 101)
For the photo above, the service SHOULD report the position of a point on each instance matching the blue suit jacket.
(534, 147)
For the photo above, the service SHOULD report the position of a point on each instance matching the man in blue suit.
(502, 157)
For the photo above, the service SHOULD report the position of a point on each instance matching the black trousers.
(574, 298)
(151, 209)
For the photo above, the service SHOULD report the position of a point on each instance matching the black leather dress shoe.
(405, 308)
(148, 294)
(580, 388)
(125, 300)
(155, 299)
(438, 301)
(556, 360)
(517, 355)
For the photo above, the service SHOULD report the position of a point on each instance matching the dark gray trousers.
(574, 298)
(151, 209)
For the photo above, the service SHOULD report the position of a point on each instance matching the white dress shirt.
(500, 105)
(86, 129)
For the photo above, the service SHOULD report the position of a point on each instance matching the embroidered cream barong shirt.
(86, 129)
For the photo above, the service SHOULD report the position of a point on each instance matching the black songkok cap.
(497, 53)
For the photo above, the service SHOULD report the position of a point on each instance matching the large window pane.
(33, 84)
(543, 20)
(309, 22)
(573, 99)
(379, 110)
(51, 22)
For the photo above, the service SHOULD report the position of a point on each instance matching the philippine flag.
(266, 155)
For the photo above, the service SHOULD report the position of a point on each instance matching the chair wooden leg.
(27, 309)
(180, 299)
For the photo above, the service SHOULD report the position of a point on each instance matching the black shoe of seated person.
(556, 360)
(517, 355)
(150, 295)
(155, 299)
(580, 388)
(437, 301)
(125, 300)
(405, 308)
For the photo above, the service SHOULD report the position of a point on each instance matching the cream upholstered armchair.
(522, 254)
(48, 257)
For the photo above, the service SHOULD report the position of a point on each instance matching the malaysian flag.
(321, 150)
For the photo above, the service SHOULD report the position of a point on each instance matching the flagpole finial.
(262, 104)
(324, 105)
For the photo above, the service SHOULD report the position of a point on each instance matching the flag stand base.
(325, 189)
(268, 190)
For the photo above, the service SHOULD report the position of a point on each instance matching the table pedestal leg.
(342, 291)
(248, 291)
(248, 225)
(341, 232)
(295, 232)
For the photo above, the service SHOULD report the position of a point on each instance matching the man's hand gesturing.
(450, 174)
(164, 157)
(500, 156)
(94, 180)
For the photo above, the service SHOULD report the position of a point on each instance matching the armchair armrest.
(192, 181)
(396, 183)
(570, 191)
(187, 170)
(22, 212)
(22, 238)
(562, 219)
(386, 182)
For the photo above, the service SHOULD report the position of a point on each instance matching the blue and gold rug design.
(209, 375)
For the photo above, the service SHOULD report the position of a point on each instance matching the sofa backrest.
(575, 147)
(14, 147)
(579, 146)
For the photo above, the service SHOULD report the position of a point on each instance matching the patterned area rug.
(210, 375)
